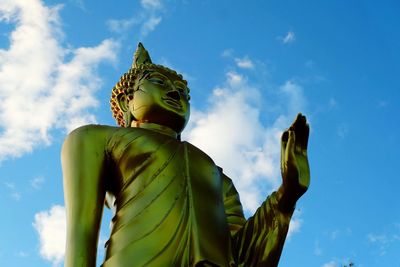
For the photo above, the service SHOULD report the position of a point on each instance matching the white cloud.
(293, 93)
(231, 132)
(151, 4)
(165, 62)
(41, 90)
(51, 227)
(78, 3)
(14, 194)
(334, 234)
(295, 224)
(9, 185)
(382, 242)
(37, 182)
(342, 130)
(289, 38)
(122, 25)
(378, 238)
(149, 25)
(234, 80)
(317, 249)
(330, 264)
(227, 52)
(147, 19)
(244, 63)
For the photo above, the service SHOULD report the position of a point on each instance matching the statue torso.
(169, 208)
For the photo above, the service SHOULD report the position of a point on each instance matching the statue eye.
(156, 80)
(182, 91)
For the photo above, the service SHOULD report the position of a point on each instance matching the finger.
(290, 147)
(304, 144)
(284, 140)
(296, 120)
(302, 133)
(302, 130)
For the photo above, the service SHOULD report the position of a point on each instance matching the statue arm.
(83, 164)
(259, 240)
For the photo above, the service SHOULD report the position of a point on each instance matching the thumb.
(290, 157)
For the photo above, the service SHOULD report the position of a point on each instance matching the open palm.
(294, 161)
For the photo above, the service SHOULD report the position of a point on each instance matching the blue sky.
(251, 66)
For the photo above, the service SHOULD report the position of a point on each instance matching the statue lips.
(172, 102)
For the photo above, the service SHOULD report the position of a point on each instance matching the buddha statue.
(172, 205)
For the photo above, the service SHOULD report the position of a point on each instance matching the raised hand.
(294, 163)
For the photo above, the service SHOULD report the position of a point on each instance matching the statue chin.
(166, 118)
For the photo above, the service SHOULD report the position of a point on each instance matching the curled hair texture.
(127, 85)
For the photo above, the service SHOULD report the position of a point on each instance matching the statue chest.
(140, 160)
(169, 191)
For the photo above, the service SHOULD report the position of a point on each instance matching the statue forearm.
(81, 247)
(260, 240)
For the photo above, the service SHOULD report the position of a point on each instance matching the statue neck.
(155, 127)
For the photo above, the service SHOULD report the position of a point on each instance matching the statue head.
(150, 93)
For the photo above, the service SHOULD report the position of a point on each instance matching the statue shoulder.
(90, 134)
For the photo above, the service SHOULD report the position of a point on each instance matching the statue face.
(162, 98)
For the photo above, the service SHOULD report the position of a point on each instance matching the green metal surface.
(172, 205)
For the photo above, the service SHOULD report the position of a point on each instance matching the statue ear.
(122, 101)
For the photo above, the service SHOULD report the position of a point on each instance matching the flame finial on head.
(141, 56)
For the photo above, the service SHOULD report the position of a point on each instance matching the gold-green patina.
(172, 205)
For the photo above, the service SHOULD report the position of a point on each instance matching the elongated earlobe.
(127, 118)
(123, 103)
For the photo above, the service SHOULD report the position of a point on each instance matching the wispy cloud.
(40, 90)
(149, 25)
(16, 196)
(339, 263)
(342, 130)
(9, 185)
(122, 25)
(78, 3)
(289, 38)
(14, 193)
(165, 62)
(151, 4)
(147, 19)
(231, 132)
(293, 94)
(227, 52)
(317, 248)
(335, 234)
(51, 227)
(385, 240)
(295, 224)
(244, 63)
(330, 264)
(37, 182)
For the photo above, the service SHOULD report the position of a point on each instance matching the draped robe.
(174, 207)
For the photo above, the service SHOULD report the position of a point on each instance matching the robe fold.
(174, 207)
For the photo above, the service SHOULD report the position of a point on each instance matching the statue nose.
(174, 95)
